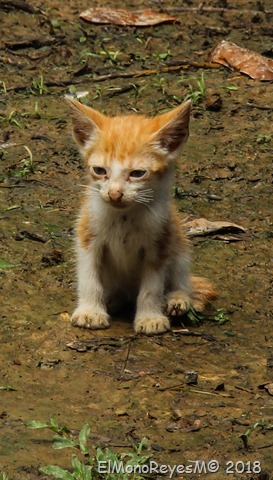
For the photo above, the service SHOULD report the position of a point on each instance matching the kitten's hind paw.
(178, 303)
(88, 319)
(152, 325)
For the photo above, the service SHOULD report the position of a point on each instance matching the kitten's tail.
(203, 293)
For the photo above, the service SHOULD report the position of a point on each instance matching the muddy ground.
(126, 386)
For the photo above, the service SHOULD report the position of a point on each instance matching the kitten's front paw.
(178, 303)
(152, 325)
(88, 319)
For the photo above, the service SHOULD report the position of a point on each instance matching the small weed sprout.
(196, 318)
(159, 83)
(110, 54)
(36, 110)
(245, 436)
(10, 118)
(38, 86)
(90, 467)
(197, 93)
(163, 56)
(98, 91)
(27, 164)
(55, 23)
(35, 114)
(221, 316)
(3, 476)
(230, 87)
(138, 89)
(3, 90)
(265, 138)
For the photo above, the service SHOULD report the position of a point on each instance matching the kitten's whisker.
(143, 201)
(147, 191)
(90, 187)
(92, 190)
(145, 196)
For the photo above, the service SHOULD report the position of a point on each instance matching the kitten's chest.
(126, 241)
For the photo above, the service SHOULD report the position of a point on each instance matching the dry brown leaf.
(246, 61)
(184, 425)
(139, 18)
(267, 386)
(202, 226)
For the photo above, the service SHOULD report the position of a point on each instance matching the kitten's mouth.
(118, 205)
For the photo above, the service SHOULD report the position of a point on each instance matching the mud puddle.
(126, 386)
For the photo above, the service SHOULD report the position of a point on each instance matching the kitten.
(130, 243)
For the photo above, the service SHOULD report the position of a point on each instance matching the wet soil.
(126, 385)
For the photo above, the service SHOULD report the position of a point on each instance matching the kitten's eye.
(137, 173)
(100, 171)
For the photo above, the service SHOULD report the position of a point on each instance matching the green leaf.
(80, 470)
(83, 438)
(12, 207)
(63, 442)
(194, 316)
(142, 446)
(4, 264)
(54, 425)
(35, 424)
(55, 23)
(230, 87)
(100, 455)
(7, 387)
(3, 476)
(221, 317)
(77, 466)
(57, 472)
(86, 472)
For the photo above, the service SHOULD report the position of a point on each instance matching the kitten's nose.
(115, 195)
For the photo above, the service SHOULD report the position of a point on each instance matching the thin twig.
(111, 76)
(260, 107)
(201, 8)
(12, 186)
(269, 445)
(214, 394)
(244, 389)
(143, 73)
(171, 387)
(126, 358)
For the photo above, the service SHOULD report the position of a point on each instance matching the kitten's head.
(131, 157)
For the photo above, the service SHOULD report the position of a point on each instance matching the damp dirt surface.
(126, 386)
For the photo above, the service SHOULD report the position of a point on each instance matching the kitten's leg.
(187, 290)
(91, 311)
(178, 298)
(149, 318)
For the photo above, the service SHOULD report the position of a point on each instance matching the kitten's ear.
(173, 129)
(87, 122)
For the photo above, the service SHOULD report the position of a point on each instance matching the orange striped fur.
(131, 245)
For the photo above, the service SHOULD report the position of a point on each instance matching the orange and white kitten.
(130, 242)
